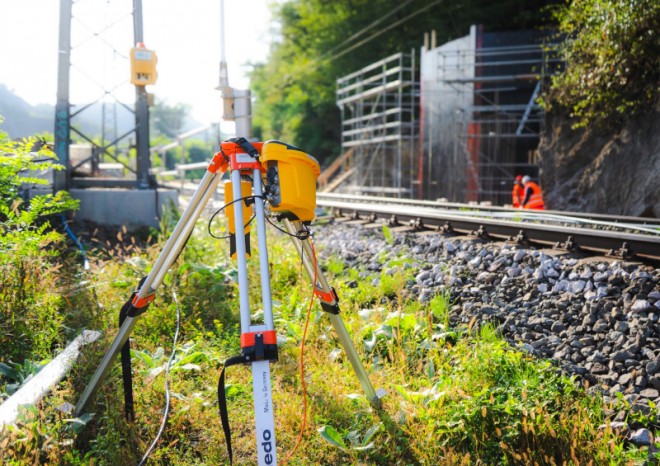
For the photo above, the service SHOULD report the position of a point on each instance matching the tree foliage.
(612, 54)
(320, 41)
(168, 120)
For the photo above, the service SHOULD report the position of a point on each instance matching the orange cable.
(302, 362)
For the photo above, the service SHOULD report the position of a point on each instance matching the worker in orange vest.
(518, 191)
(533, 197)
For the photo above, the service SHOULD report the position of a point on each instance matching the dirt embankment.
(605, 170)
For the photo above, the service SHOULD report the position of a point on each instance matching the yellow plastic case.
(297, 173)
(143, 66)
(246, 190)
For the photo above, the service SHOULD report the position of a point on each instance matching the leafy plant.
(30, 315)
(387, 234)
(19, 373)
(440, 306)
(357, 442)
(612, 55)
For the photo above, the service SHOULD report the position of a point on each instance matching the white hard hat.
(526, 179)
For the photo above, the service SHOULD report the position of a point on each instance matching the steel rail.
(323, 197)
(446, 217)
(619, 244)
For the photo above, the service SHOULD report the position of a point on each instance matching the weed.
(387, 234)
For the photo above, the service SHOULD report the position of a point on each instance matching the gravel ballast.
(596, 318)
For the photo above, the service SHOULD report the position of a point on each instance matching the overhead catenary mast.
(236, 103)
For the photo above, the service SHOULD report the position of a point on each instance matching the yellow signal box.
(143, 65)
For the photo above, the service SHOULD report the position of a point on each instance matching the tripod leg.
(258, 342)
(330, 304)
(168, 255)
(266, 297)
(264, 415)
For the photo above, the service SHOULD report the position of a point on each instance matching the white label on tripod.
(242, 157)
(263, 413)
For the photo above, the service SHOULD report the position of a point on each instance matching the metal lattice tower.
(89, 34)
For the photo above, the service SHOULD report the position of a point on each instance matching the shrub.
(612, 52)
(30, 317)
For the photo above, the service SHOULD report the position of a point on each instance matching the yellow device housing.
(294, 193)
(246, 190)
(143, 66)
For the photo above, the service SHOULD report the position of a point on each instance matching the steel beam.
(141, 110)
(62, 108)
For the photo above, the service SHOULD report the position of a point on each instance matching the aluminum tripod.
(258, 342)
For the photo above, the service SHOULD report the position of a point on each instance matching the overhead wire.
(290, 77)
(364, 30)
(382, 31)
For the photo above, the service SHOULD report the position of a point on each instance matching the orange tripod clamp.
(236, 154)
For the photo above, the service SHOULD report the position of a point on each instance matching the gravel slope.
(594, 317)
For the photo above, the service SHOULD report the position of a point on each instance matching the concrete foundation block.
(132, 208)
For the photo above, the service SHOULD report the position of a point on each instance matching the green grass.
(454, 395)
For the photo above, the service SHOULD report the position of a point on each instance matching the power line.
(364, 30)
(373, 36)
(290, 76)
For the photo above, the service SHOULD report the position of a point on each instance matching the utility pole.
(141, 110)
(236, 103)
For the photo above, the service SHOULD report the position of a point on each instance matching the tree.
(168, 120)
(295, 89)
(612, 55)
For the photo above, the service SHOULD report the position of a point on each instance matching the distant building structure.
(461, 127)
(480, 117)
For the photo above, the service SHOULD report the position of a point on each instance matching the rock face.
(600, 169)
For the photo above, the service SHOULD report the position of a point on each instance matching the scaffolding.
(480, 116)
(378, 105)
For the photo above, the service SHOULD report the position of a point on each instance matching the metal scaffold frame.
(378, 105)
(481, 120)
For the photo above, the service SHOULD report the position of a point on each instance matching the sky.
(185, 34)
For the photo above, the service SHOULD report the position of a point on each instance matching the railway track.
(594, 318)
(621, 237)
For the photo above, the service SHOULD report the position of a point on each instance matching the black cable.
(167, 388)
(223, 208)
(301, 235)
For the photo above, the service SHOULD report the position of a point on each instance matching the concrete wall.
(132, 208)
(445, 107)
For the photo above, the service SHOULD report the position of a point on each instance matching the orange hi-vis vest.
(536, 199)
(517, 194)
